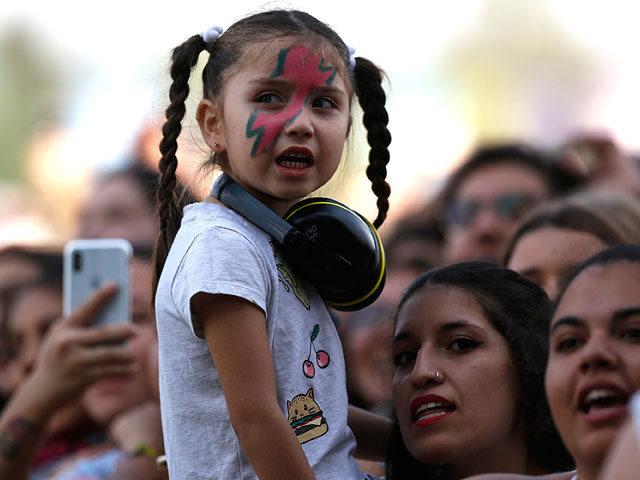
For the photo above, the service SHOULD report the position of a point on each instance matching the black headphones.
(326, 242)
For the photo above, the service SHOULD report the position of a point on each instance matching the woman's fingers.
(94, 336)
(105, 354)
(88, 311)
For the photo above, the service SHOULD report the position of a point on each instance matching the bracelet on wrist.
(144, 450)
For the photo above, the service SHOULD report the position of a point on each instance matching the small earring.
(216, 145)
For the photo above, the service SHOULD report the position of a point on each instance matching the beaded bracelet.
(144, 450)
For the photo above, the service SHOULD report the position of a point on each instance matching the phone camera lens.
(77, 261)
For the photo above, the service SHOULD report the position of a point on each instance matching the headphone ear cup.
(345, 232)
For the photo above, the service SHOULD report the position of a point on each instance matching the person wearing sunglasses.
(484, 199)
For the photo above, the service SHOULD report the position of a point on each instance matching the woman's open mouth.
(428, 409)
(603, 404)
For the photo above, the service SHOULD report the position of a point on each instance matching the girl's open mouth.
(293, 161)
(295, 158)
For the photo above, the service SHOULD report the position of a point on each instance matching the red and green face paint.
(306, 71)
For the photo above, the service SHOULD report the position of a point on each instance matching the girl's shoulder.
(513, 476)
(204, 216)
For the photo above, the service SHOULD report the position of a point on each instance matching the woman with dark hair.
(555, 238)
(594, 362)
(469, 348)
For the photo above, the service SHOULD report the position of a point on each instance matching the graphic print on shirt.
(290, 281)
(305, 417)
(322, 357)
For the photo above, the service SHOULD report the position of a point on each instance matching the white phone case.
(91, 263)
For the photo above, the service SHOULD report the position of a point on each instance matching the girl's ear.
(208, 116)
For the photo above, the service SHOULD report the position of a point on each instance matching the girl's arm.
(235, 330)
(371, 431)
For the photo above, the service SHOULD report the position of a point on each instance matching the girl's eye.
(268, 98)
(463, 344)
(403, 358)
(324, 103)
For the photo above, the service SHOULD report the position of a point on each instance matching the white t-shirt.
(217, 251)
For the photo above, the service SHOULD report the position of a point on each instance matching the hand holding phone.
(92, 263)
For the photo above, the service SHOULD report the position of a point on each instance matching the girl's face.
(548, 255)
(594, 359)
(283, 121)
(465, 418)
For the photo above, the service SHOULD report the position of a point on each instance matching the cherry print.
(322, 357)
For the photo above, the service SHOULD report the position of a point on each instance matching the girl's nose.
(425, 370)
(598, 353)
(300, 124)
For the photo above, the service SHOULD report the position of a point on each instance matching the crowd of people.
(497, 341)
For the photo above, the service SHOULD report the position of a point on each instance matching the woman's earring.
(216, 145)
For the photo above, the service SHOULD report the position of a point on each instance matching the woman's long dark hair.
(518, 309)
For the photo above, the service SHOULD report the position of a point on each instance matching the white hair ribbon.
(352, 57)
(211, 34)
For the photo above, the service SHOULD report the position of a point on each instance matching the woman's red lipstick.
(428, 409)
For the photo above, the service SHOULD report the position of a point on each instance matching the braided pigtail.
(170, 199)
(368, 85)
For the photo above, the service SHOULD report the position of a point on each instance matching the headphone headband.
(326, 242)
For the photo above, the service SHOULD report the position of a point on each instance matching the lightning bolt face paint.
(302, 68)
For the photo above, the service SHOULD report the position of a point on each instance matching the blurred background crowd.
(83, 89)
(514, 141)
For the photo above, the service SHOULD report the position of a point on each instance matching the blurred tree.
(518, 73)
(30, 94)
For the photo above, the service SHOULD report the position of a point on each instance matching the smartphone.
(91, 263)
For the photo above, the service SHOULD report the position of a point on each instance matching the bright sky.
(121, 45)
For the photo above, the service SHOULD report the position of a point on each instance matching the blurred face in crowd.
(13, 271)
(31, 315)
(594, 359)
(117, 208)
(548, 255)
(367, 339)
(466, 416)
(486, 209)
(29, 319)
(107, 398)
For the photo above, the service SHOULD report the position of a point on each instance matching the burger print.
(305, 417)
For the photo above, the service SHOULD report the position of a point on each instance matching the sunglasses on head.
(508, 207)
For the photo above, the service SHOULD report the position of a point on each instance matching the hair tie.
(352, 58)
(211, 34)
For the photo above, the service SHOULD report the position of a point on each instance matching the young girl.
(242, 395)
